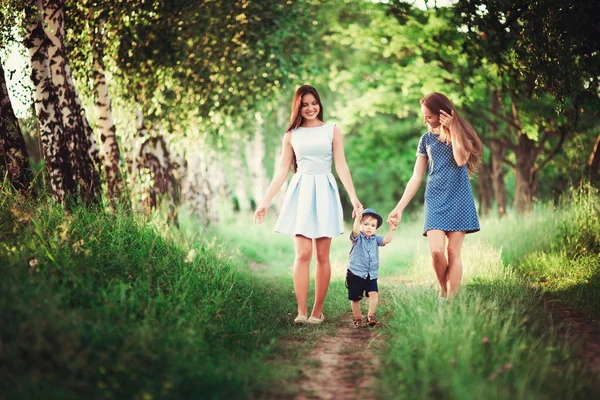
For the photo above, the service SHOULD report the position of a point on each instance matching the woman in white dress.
(311, 211)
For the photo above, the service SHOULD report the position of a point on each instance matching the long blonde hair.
(464, 134)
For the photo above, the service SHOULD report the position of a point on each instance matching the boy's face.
(368, 225)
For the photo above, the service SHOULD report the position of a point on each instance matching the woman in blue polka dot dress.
(449, 151)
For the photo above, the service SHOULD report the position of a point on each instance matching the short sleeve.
(422, 148)
(379, 240)
(354, 239)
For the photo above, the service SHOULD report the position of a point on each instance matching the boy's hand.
(393, 226)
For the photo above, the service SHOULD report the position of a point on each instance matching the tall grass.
(96, 305)
(496, 340)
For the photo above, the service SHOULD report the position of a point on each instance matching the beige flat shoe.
(300, 319)
(316, 321)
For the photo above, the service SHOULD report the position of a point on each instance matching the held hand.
(394, 218)
(358, 207)
(446, 119)
(259, 214)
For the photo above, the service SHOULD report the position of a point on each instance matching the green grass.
(96, 305)
(491, 342)
(496, 340)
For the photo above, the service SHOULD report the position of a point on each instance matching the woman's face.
(432, 120)
(309, 108)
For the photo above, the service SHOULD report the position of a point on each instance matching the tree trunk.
(108, 139)
(241, 192)
(51, 130)
(14, 160)
(484, 189)
(497, 175)
(279, 197)
(497, 150)
(199, 191)
(255, 155)
(83, 152)
(155, 167)
(594, 163)
(526, 154)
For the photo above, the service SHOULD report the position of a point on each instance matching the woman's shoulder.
(425, 136)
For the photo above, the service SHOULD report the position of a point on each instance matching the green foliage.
(100, 305)
(570, 269)
(549, 42)
(188, 64)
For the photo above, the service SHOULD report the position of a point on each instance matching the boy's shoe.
(314, 320)
(300, 319)
(371, 321)
(357, 322)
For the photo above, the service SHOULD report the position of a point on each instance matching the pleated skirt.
(311, 207)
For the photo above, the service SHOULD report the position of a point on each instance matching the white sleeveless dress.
(312, 206)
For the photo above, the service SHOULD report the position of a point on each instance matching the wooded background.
(150, 102)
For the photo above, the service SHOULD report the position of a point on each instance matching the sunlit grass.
(96, 305)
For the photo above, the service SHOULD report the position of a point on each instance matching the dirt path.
(581, 327)
(343, 365)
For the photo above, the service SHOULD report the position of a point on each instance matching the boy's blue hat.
(370, 211)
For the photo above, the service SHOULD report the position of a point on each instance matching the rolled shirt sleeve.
(422, 147)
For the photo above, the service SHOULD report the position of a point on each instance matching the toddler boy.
(363, 264)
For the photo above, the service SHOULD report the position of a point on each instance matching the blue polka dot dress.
(449, 203)
(311, 206)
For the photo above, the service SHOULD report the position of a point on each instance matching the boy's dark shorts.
(357, 285)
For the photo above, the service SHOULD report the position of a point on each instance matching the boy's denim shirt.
(364, 255)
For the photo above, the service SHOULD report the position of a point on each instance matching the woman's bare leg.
(302, 271)
(437, 245)
(455, 268)
(322, 275)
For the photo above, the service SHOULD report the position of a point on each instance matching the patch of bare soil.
(585, 330)
(342, 366)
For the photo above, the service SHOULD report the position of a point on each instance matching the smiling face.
(309, 108)
(368, 225)
(432, 120)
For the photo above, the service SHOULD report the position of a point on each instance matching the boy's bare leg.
(373, 301)
(437, 245)
(356, 309)
(302, 272)
(322, 276)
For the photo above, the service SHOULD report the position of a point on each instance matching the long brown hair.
(296, 117)
(465, 135)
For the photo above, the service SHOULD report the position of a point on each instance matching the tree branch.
(508, 162)
(557, 146)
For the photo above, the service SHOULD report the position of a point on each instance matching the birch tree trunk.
(278, 199)
(108, 140)
(200, 192)
(154, 166)
(83, 152)
(241, 191)
(255, 155)
(14, 160)
(51, 130)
